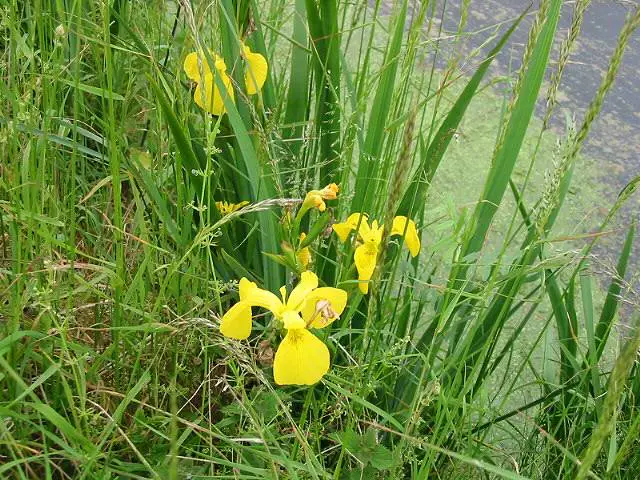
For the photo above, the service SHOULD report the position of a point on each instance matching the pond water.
(613, 146)
(615, 137)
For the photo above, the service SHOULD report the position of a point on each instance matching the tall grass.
(492, 354)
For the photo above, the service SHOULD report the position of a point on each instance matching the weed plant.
(167, 167)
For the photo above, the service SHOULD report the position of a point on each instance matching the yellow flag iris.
(225, 208)
(256, 72)
(302, 358)
(316, 198)
(207, 95)
(369, 239)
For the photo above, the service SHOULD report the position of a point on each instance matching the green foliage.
(492, 354)
(366, 450)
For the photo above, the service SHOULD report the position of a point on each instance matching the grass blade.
(297, 93)
(417, 191)
(367, 181)
(507, 153)
(612, 301)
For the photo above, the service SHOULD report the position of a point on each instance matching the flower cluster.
(369, 239)
(207, 94)
(302, 358)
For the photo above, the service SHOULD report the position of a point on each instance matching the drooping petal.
(257, 297)
(193, 69)
(365, 258)
(256, 71)
(301, 359)
(245, 287)
(323, 306)
(344, 229)
(236, 323)
(207, 95)
(308, 282)
(411, 237)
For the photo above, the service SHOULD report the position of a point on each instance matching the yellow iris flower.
(207, 95)
(302, 358)
(226, 208)
(369, 239)
(316, 198)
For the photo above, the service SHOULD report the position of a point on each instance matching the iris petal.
(256, 72)
(257, 297)
(236, 323)
(207, 95)
(191, 67)
(365, 258)
(344, 229)
(303, 255)
(411, 237)
(245, 287)
(308, 282)
(292, 320)
(323, 306)
(301, 359)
